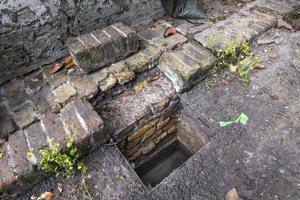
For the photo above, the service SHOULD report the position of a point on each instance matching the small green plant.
(237, 58)
(64, 164)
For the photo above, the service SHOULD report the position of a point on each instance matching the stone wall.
(33, 33)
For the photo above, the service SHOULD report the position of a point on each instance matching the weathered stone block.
(54, 129)
(56, 79)
(121, 72)
(171, 42)
(100, 48)
(24, 115)
(36, 138)
(6, 126)
(85, 86)
(7, 176)
(144, 60)
(74, 126)
(186, 66)
(92, 121)
(64, 92)
(18, 149)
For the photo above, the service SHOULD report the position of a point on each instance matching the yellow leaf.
(232, 195)
(233, 68)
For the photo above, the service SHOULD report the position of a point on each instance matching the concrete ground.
(261, 159)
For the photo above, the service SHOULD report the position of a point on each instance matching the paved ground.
(261, 159)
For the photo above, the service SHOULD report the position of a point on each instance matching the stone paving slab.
(100, 48)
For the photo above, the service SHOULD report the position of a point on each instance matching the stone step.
(77, 119)
(100, 48)
(186, 66)
(247, 24)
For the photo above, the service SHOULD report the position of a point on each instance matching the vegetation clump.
(64, 164)
(236, 58)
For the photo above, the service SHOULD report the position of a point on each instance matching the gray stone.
(100, 48)
(186, 66)
(109, 82)
(171, 42)
(24, 115)
(121, 72)
(85, 86)
(33, 33)
(6, 126)
(144, 60)
(64, 92)
(36, 138)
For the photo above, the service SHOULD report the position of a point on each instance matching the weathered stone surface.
(272, 6)
(18, 149)
(64, 92)
(186, 66)
(93, 122)
(171, 42)
(7, 176)
(85, 86)
(34, 82)
(15, 92)
(127, 110)
(56, 79)
(74, 126)
(95, 50)
(121, 72)
(237, 28)
(6, 126)
(33, 33)
(24, 115)
(187, 28)
(151, 35)
(144, 60)
(109, 82)
(37, 139)
(54, 129)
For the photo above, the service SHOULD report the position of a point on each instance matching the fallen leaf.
(283, 24)
(274, 97)
(232, 195)
(259, 66)
(68, 62)
(233, 68)
(54, 68)
(170, 31)
(46, 196)
(272, 53)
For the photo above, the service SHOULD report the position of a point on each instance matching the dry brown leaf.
(232, 195)
(259, 66)
(68, 62)
(54, 68)
(170, 31)
(47, 195)
(274, 97)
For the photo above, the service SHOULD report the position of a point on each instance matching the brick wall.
(33, 33)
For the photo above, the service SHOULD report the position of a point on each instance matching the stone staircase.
(41, 106)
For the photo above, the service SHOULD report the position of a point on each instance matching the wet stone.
(24, 115)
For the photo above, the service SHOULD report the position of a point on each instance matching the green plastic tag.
(243, 119)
